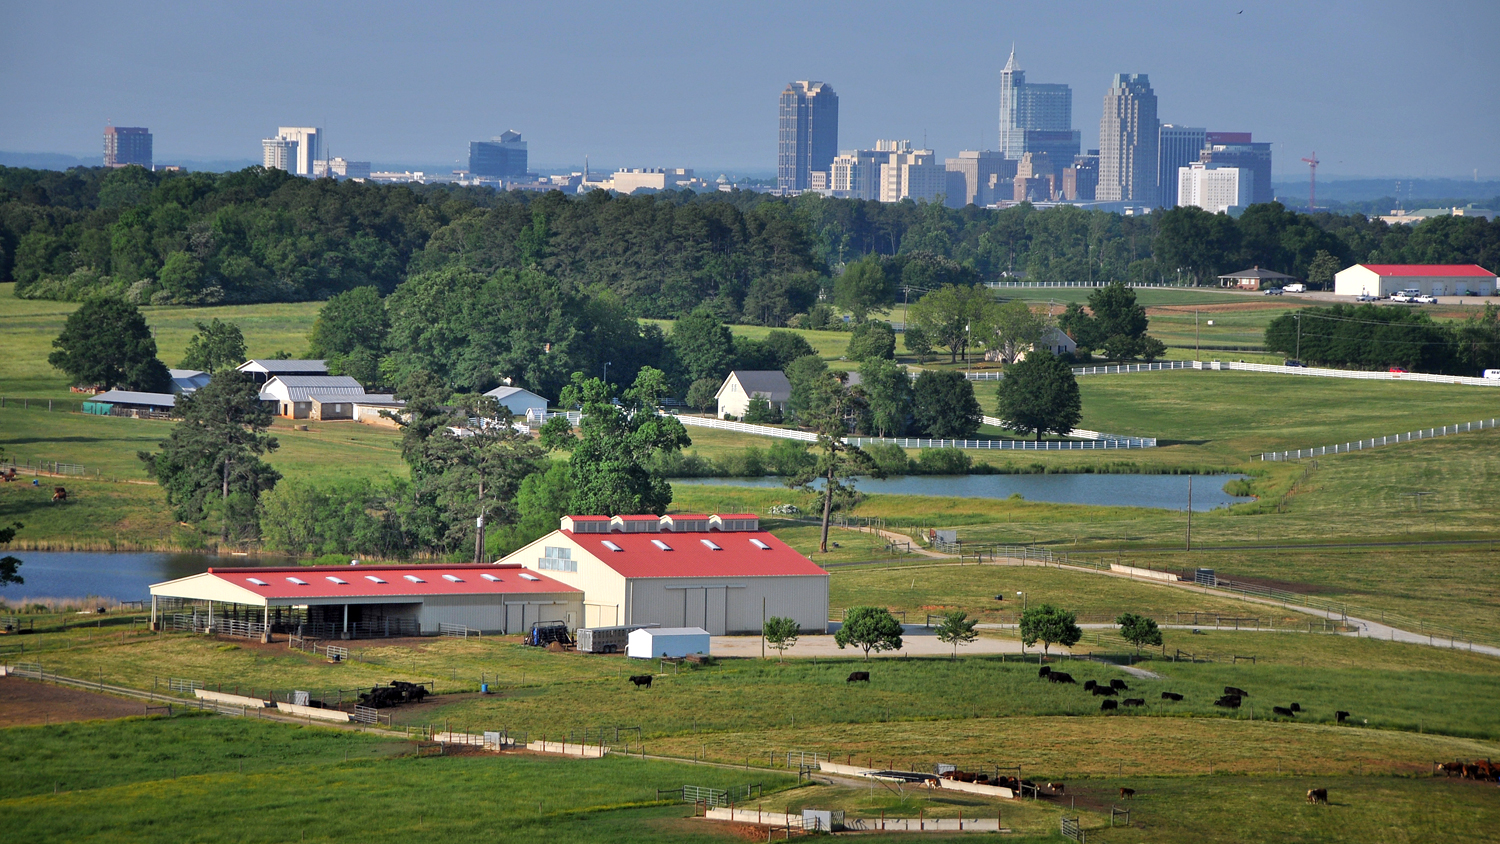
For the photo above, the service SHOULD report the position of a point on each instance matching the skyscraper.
(807, 136)
(297, 158)
(126, 145)
(501, 157)
(278, 154)
(1035, 116)
(1178, 146)
(1235, 149)
(1128, 137)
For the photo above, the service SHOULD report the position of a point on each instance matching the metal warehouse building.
(721, 573)
(361, 601)
(1434, 279)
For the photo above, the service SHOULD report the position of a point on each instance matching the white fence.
(747, 428)
(1115, 369)
(1085, 434)
(1376, 442)
(538, 417)
(1006, 285)
(1093, 439)
(1350, 373)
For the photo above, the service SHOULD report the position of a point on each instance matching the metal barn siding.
(512, 615)
(730, 606)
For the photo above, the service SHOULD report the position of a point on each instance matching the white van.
(1491, 375)
(1298, 287)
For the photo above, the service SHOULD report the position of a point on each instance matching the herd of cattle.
(397, 693)
(1232, 698)
(1484, 771)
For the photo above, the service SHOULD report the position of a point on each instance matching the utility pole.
(1190, 514)
(1196, 350)
(1298, 318)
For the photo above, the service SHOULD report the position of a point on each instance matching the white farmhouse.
(743, 384)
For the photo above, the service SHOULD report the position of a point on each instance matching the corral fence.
(1071, 829)
(457, 631)
(1376, 442)
(220, 626)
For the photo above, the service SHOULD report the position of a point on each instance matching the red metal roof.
(739, 555)
(357, 582)
(1429, 270)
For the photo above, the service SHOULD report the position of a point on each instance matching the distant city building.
(908, 173)
(1035, 117)
(501, 157)
(1398, 216)
(126, 145)
(338, 168)
(1240, 152)
(651, 178)
(1128, 136)
(1036, 179)
(855, 174)
(1213, 187)
(294, 149)
(1177, 147)
(978, 177)
(807, 136)
(1080, 182)
(279, 154)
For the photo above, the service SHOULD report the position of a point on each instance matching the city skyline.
(211, 85)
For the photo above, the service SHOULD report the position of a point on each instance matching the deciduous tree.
(1040, 395)
(957, 629)
(217, 347)
(870, 629)
(1050, 626)
(943, 405)
(781, 634)
(1139, 630)
(107, 343)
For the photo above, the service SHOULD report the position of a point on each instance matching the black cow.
(1296, 707)
(1088, 685)
(1231, 690)
(641, 680)
(1283, 712)
(1228, 701)
(1317, 795)
(1134, 701)
(858, 677)
(1127, 793)
(1119, 685)
(1044, 671)
(1170, 696)
(1108, 705)
(1060, 677)
(1340, 715)
(1104, 691)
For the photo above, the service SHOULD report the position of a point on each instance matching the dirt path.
(28, 702)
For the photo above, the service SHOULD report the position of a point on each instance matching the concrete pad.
(915, 641)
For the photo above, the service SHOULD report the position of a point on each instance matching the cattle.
(1228, 702)
(1044, 671)
(1119, 685)
(858, 677)
(1340, 715)
(1451, 768)
(1317, 795)
(1056, 787)
(1133, 701)
(641, 680)
(1170, 696)
(1283, 712)
(1126, 793)
(1109, 704)
(1088, 685)
(1104, 691)
(1296, 707)
(59, 494)
(1060, 677)
(1231, 690)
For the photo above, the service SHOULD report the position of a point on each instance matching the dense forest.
(263, 235)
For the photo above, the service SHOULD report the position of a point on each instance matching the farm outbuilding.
(304, 396)
(667, 642)
(130, 403)
(518, 401)
(263, 370)
(1434, 279)
(721, 573)
(362, 601)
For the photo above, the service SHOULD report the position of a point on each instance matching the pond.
(1163, 491)
(122, 575)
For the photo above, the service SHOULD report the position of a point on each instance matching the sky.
(1375, 88)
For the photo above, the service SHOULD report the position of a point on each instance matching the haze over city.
(1377, 89)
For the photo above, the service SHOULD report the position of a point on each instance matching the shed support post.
(210, 616)
(265, 630)
(153, 612)
(346, 621)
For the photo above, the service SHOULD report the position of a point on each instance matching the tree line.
(1372, 337)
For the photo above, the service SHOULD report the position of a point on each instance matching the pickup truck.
(1426, 299)
(1408, 295)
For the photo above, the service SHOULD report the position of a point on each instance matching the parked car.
(1299, 287)
(1426, 299)
(1398, 370)
(1366, 297)
(1294, 362)
(1273, 291)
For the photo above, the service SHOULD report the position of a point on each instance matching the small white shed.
(670, 642)
(517, 400)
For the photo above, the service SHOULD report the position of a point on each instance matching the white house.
(313, 396)
(186, 381)
(666, 642)
(517, 400)
(1055, 341)
(1435, 279)
(743, 384)
(721, 573)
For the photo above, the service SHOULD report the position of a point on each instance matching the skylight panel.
(662, 545)
(612, 546)
(413, 578)
(257, 581)
(373, 579)
(761, 545)
(453, 578)
(297, 580)
(710, 545)
(490, 577)
(339, 580)
(529, 576)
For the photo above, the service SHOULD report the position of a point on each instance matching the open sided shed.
(360, 601)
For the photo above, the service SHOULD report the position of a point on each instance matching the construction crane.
(1312, 183)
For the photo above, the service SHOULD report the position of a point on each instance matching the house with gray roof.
(1255, 278)
(313, 396)
(264, 370)
(518, 401)
(186, 381)
(744, 384)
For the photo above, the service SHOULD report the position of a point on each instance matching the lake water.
(122, 575)
(1164, 491)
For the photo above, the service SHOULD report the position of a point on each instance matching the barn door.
(696, 610)
(714, 610)
(515, 615)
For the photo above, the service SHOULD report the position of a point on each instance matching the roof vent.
(453, 578)
(761, 545)
(339, 580)
(709, 544)
(297, 580)
(526, 576)
(611, 546)
(373, 579)
(490, 577)
(662, 545)
(257, 581)
(413, 578)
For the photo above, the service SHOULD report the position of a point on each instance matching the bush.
(943, 461)
(871, 340)
(891, 458)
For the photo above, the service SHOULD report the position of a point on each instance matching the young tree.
(957, 629)
(916, 342)
(9, 566)
(781, 633)
(1139, 630)
(1040, 395)
(862, 287)
(871, 340)
(703, 394)
(838, 462)
(1051, 626)
(944, 406)
(1013, 329)
(948, 316)
(106, 342)
(217, 347)
(211, 461)
(887, 390)
(870, 628)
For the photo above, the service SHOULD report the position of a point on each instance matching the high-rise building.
(807, 136)
(1081, 180)
(278, 154)
(1234, 149)
(1128, 136)
(855, 174)
(1035, 116)
(126, 145)
(297, 158)
(975, 176)
(1213, 187)
(1177, 146)
(907, 173)
(501, 157)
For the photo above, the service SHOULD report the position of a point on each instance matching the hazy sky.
(1376, 88)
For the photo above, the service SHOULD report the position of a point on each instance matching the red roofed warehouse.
(1434, 279)
(359, 601)
(721, 573)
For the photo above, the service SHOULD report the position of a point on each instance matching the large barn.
(1433, 279)
(721, 573)
(361, 601)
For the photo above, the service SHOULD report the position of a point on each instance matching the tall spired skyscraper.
(1128, 137)
(807, 137)
(1035, 116)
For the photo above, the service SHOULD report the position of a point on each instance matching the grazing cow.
(1340, 715)
(1296, 707)
(1317, 795)
(1170, 696)
(1104, 691)
(641, 680)
(59, 494)
(1056, 787)
(1109, 704)
(1119, 685)
(858, 677)
(1088, 685)
(1134, 701)
(1283, 712)
(1044, 671)
(1451, 768)
(1060, 677)
(1228, 701)
(1231, 690)
(1126, 793)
